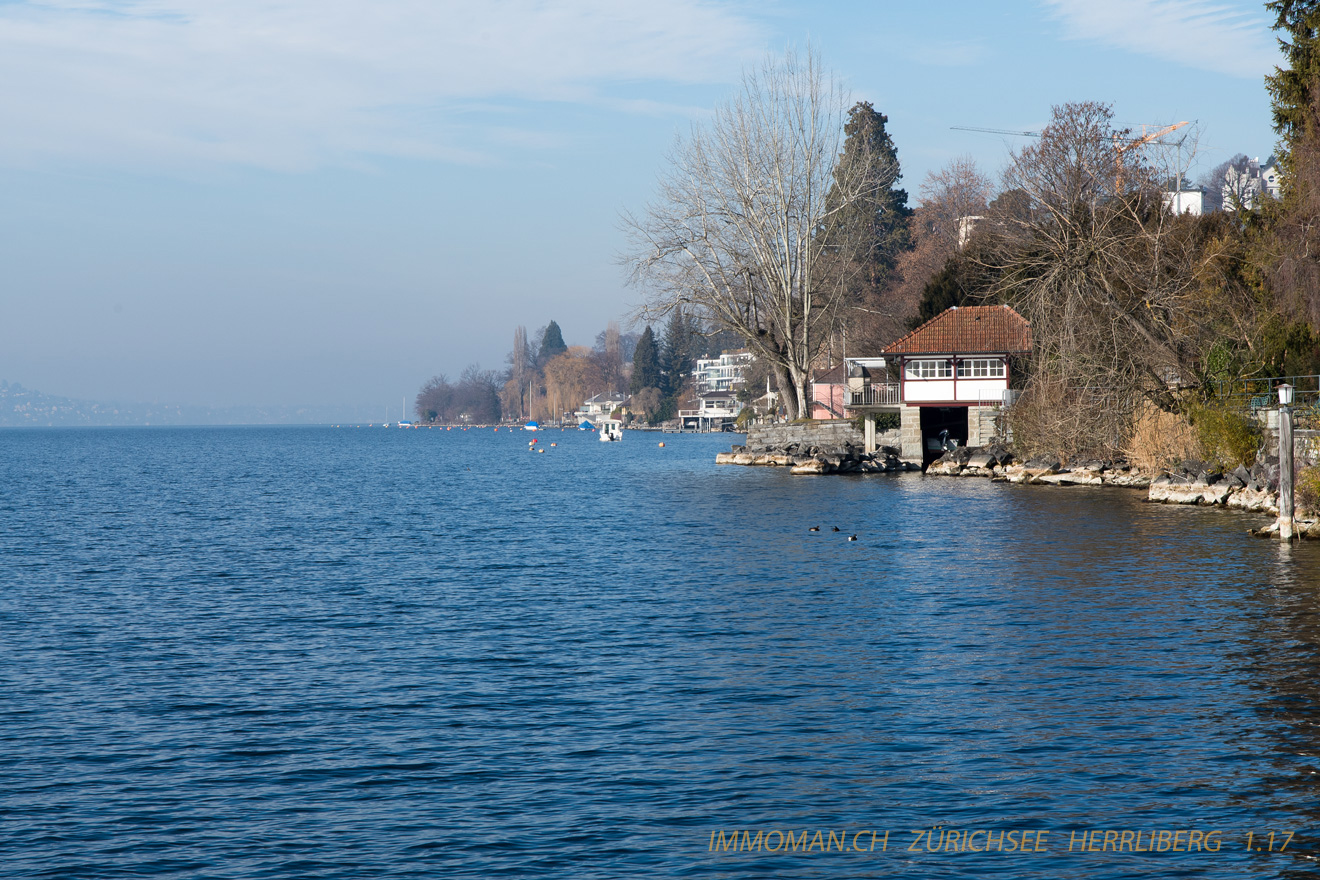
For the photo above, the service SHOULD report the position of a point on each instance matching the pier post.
(910, 433)
(869, 432)
(1285, 463)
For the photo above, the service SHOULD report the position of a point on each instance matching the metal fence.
(875, 395)
(1258, 394)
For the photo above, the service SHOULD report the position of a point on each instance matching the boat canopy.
(586, 426)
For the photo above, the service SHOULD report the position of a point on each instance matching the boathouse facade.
(948, 379)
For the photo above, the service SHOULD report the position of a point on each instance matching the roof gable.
(835, 375)
(968, 330)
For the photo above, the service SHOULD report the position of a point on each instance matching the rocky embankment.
(1252, 489)
(999, 463)
(805, 458)
(1193, 482)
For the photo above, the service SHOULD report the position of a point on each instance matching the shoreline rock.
(810, 459)
(1253, 490)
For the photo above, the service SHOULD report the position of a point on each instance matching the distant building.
(1270, 177)
(594, 409)
(1185, 200)
(966, 226)
(711, 411)
(723, 373)
(1244, 184)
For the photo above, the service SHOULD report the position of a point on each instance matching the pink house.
(829, 393)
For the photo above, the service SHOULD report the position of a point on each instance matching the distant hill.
(23, 407)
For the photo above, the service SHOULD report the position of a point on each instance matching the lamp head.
(1285, 394)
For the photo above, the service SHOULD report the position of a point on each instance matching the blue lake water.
(361, 653)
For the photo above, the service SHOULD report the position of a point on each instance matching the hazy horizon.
(324, 205)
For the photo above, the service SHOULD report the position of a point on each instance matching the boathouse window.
(941, 369)
(981, 369)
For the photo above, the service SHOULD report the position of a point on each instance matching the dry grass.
(1160, 440)
(1055, 417)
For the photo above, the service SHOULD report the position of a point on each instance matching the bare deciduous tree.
(741, 225)
(1116, 288)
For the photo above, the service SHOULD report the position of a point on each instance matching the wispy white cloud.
(299, 83)
(1220, 37)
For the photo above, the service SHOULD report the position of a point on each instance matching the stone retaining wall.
(822, 433)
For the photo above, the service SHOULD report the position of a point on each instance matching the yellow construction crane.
(1121, 144)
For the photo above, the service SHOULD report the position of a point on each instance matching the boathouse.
(947, 378)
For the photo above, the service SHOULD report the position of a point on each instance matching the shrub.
(1306, 489)
(885, 421)
(1159, 440)
(1227, 435)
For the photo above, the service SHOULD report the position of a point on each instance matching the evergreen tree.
(943, 292)
(677, 356)
(880, 221)
(1293, 88)
(552, 344)
(646, 363)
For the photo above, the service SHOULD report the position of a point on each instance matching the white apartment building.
(723, 373)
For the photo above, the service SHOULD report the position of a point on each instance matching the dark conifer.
(646, 363)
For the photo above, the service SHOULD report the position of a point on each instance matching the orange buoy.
(662, 444)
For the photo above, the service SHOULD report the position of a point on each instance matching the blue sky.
(326, 202)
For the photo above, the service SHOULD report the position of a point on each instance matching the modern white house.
(594, 409)
(723, 373)
(947, 379)
(1187, 200)
(713, 411)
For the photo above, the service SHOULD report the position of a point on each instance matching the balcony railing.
(874, 395)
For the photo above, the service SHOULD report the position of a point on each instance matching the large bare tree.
(740, 232)
(1124, 298)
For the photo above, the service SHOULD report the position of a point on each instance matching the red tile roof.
(968, 330)
(835, 375)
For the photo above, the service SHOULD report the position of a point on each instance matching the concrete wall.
(825, 433)
(910, 433)
(981, 424)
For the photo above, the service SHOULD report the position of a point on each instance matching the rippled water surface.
(358, 653)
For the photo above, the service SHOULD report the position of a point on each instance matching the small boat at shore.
(531, 426)
(611, 430)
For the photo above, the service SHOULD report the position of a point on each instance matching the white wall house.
(723, 373)
(1190, 200)
(713, 410)
(599, 407)
(947, 379)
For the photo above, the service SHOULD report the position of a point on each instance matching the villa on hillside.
(594, 409)
(948, 379)
(722, 373)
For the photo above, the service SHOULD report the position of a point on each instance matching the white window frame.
(929, 369)
(981, 368)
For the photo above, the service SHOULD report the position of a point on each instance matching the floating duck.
(852, 537)
(814, 529)
(835, 529)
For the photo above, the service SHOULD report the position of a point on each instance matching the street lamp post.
(1285, 463)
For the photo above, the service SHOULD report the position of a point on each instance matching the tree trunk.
(787, 394)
